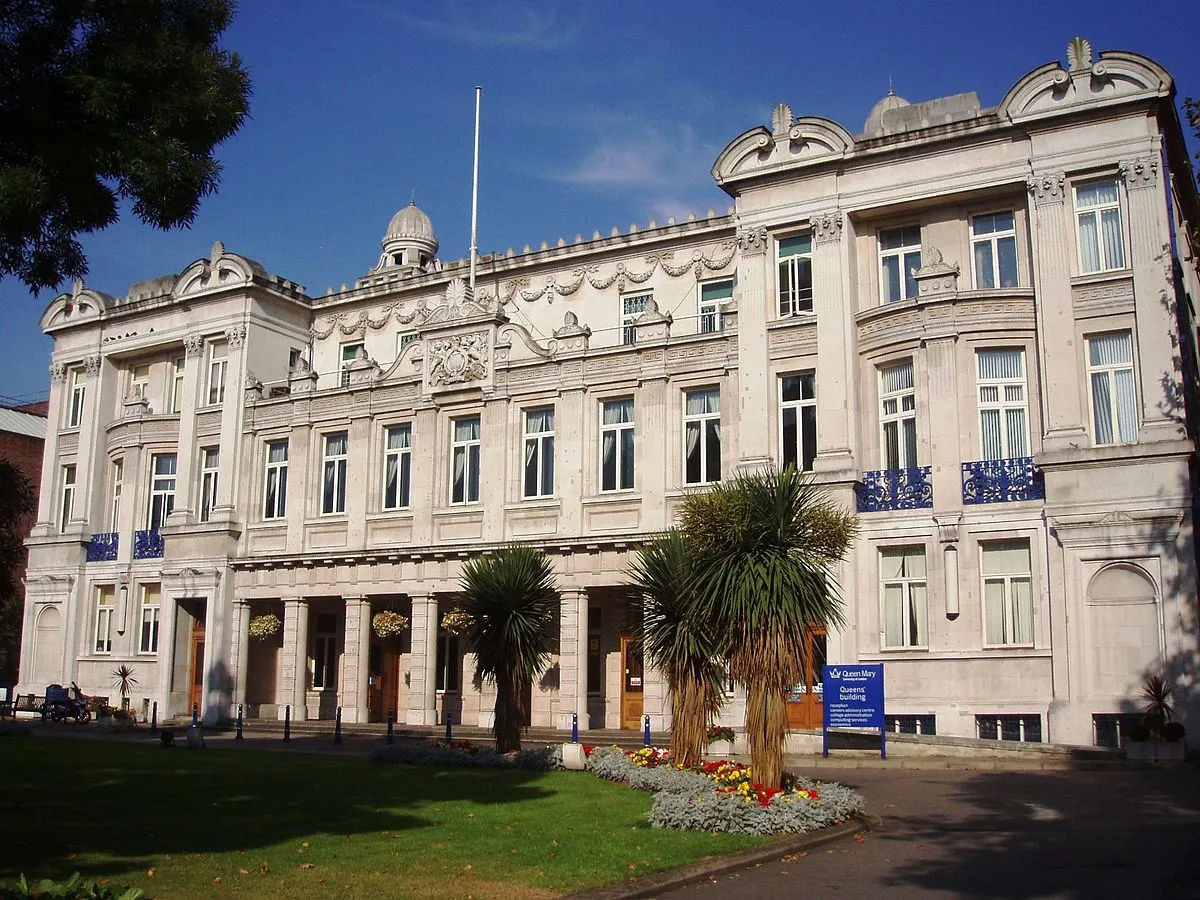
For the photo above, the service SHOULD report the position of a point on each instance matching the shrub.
(464, 755)
(74, 888)
(1137, 733)
(1172, 732)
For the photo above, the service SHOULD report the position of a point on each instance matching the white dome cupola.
(410, 242)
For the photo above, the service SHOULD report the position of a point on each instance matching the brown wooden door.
(632, 683)
(383, 686)
(196, 682)
(805, 708)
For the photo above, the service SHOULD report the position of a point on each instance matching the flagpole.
(475, 192)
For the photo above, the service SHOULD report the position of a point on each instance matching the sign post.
(853, 698)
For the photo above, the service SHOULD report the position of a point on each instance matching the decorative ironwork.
(1002, 481)
(895, 489)
(147, 544)
(103, 547)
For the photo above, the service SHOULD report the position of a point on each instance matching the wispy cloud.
(625, 151)
(543, 24)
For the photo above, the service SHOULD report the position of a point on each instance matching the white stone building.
(975, 324)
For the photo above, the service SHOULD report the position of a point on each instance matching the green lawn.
(243, 823)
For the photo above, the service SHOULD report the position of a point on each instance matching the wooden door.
(383, 680)
(632, 683)
(196, 682)
(805, 708)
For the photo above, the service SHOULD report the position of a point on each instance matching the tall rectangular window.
(448, 661)
(102, 637)
(994, 250)
(1007, 594)
(66, 507)
(798, 420)
(539, 452)
(118, 477)
(902, 582)
(333, 481)
(464, 460)
(275, 482)
(324, 653)
(632, 308)
(151, 611)
(162, 488)
(210, 461)
(218, 363)
(899, 257)
(795, 274)
(1101, 239)
(397, 467)
(349, 354)
(177, 365)
(712, 295)
(1003, 418)
(78, 396)
(702, 436)
(616, 445)
(898, 416)
(139, 382)
(1112, 388)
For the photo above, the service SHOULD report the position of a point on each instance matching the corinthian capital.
(1141, 172)
(1046, 188)
(752, 241)
(827, 228)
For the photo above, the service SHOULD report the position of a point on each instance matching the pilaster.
(835, 459)
(240, 652)
(185, 457)
(754, 286)
(355, 671)
(231, 419)
(54, 417)
(294, 675)
(572, 657)
(944, 433)
(422, 696)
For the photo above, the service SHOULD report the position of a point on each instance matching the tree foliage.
(16, 501)
(511, 597)
(103, 100)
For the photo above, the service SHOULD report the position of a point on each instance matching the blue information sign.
(853, 698)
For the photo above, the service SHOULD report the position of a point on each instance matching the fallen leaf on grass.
(217, 880)
(306, 865)
(263, 867)
(150, 872)
(243, 871)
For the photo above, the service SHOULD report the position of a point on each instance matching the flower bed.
(464, 754)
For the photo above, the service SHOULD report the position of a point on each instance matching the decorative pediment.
(220, 271)
(936, 278)
(1116, 77)
(459, 305)
(760, 151)
(79, 307)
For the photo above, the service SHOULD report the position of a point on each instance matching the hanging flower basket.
(457, 620)
(389, 624)
(263, 627)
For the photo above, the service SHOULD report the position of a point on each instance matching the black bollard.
(646, 730)
(154, 718)
(337, 727)
(449, 737)
(287, 723)
(238, 735)
(574, 728)
(195, 715)
(391, 734)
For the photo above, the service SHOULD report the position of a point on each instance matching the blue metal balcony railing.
(1002, 481)
(895, 489)
(103, 547)
(147, 544)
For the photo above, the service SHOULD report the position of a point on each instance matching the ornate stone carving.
(193, 344)
(1079, 54)
(1046, 188)
(253, 388)
(936, 278)
(92, 364)
(1141, 172)
(752, 241)
(236, 336)
(652, 324)
(781, 120)
(58, 373)
(459, 358)
(827, 228)
(572, 335)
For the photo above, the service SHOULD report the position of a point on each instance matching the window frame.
(630, 316)
(1002, 404)
(327, 639)
(899, 417)
(620, 451)
(178, 364)
(704, 421)
(210, 464)
(994, 239)
(903, 254)
(78, 399)
(401, 457)
(117, 484)
(542, 444)
(155, 608)
(471, 452)
(139, 382)
(156, 492)
(709, 317)
(1007, 579)
(789, 290)
(105, 606)
(906, 583)
(275, 477)
(352, 348)
(1096, 211)
(1111, 371)
(217, 370)
(333, 492)
(66, 496)
(799, 408)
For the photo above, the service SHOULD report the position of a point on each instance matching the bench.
(21, 703)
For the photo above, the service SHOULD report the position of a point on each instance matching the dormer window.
(398, 258)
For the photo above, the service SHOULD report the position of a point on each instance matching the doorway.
(196, 681)
(632, 684)
(383, 677)
(805, 708)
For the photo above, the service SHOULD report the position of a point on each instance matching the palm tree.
(678, 641)
(766, 542)
(511, 597)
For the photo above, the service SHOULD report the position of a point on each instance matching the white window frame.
(397, 466)
(1009, 599)
(898, 411)
(327, 640)
(162, 490)
(177, 366)
(623, 435)
(151, 615)
(78, 398)
(907, 256)
(996, 240)
(914, 599)
(702, 424)
(218, 368)
(118, 478)
(210, 464)
(348, 353)
(1122, 410)
(1006, 396)
(66, 508)
(333, 472)
(139, 382)
(106, 596)
(632, 307)
(708, 308)
(275, 479)
(468, 450)
(537, 460)
(1095, 212)
(799, 409)
(794, 295)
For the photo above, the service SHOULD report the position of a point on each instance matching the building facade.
(974, 325)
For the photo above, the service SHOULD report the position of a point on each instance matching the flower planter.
(574, 759)
(720, 750)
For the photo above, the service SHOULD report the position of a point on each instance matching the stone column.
(834, 355)
(1064, 422)
(944, 440)
(572, 657)
(90, 494)
(422, 695)
(240, 657)
(428, 492)
(47, 494)
(363, 455)
(754, 375)
(294, 687)
(652, 433)
(355, 658)
(185, 458)
(570, 456)
(231, 420)
(1160, 379)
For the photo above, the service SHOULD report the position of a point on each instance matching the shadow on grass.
(69, 798)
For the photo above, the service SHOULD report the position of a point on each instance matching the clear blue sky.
(594, 115)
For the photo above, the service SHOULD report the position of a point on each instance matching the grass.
(244, 823)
